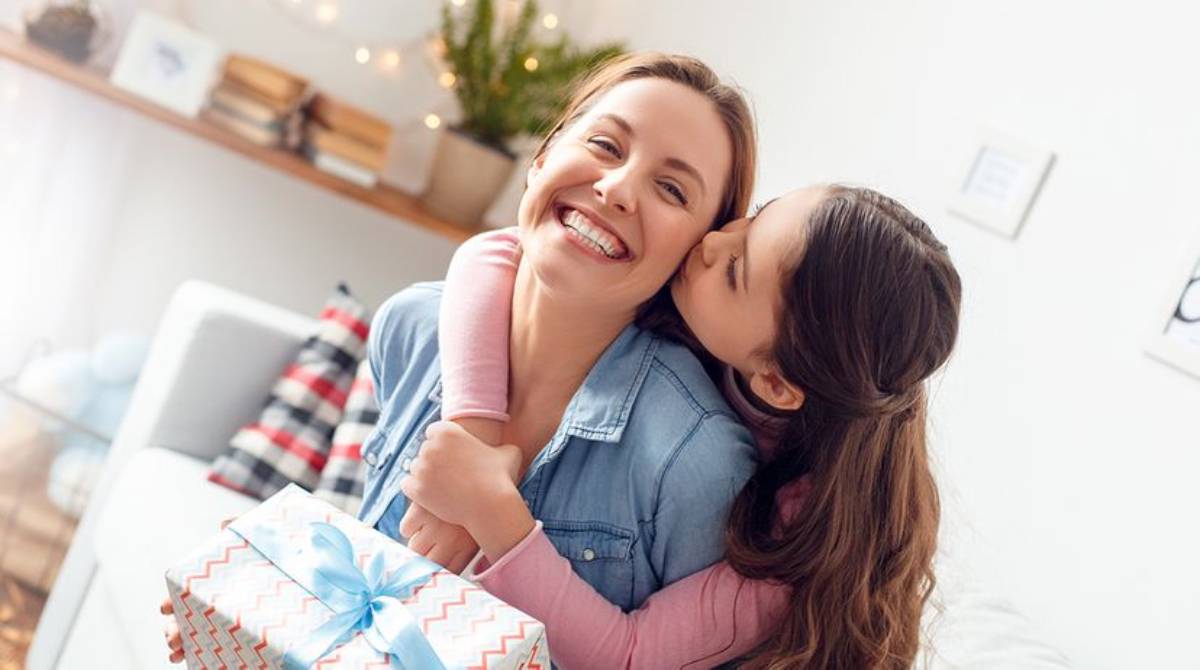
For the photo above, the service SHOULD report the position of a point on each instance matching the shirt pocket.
(600, 553)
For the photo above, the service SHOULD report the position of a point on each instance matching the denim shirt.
(634, 487)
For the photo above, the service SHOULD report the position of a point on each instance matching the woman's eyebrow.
(675, 163)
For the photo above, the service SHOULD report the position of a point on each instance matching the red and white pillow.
(290, 441)
(344, 475)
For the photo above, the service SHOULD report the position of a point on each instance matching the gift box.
(297, 583)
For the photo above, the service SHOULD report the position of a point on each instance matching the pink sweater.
(711, 617)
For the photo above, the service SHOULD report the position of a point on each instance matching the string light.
(391, 59)
(327, 12)
(550, 21)
(447, 79)
(458, 3)
(432, 121)
(531, 63)
(362, 55)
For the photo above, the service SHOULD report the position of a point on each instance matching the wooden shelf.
(389, 200)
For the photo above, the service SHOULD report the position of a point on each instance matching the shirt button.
(588, 554)
(406, 463)
(370, 459)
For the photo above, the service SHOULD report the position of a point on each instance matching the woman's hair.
(869, 311)
(659, 313)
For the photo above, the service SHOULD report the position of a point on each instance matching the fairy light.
(458, 3)
(447, 79)
(327, 12)
(362, 55)
(550, 21)
(432, 121)
(391, 59)
(531, 63)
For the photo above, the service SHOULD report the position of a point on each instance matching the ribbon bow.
(367, 602)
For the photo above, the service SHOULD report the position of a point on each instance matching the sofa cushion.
(290, 440)
(161, 508)
(344, 475)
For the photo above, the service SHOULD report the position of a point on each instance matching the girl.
(830, 309)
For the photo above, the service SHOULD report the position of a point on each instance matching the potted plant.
(73, 28)
(507, 85)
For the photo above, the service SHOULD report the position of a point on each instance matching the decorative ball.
(118, 358)
(60, 381)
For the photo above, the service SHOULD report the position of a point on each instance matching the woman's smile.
(593, 234)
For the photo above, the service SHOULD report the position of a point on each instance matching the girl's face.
(620, 196)
(728, 289)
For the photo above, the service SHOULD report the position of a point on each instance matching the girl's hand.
(457, 477)
(446, 544)
(466, 482)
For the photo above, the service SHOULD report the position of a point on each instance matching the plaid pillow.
(290, 441)
(344, 475)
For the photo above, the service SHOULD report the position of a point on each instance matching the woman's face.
(620, 196)
(729, 287)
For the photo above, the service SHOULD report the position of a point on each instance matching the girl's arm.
(700, 621)
(473, 324)
(703, 620)
(473, 332)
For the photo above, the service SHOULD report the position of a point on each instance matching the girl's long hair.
(869, 311)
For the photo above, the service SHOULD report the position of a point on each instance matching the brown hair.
(871, 307)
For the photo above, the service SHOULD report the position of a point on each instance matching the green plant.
(501, 92)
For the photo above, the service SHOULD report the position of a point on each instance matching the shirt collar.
(601, 407)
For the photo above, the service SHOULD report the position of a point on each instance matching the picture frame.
(1175, 337)
(1001, 179)
(167, 63)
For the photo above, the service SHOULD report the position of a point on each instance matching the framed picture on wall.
(167, 63)
(1176, 336)
(999, 182)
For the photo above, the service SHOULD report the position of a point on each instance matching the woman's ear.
(775, 390)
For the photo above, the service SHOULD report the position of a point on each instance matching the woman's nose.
(615, 189)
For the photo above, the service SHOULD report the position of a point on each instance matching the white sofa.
(212, 364)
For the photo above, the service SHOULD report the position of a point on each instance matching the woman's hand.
(466, 482)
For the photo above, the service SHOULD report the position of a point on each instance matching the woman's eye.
(731, 272)
(606, 146)
(675, 192)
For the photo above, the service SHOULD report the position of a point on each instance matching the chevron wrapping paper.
(237, 609)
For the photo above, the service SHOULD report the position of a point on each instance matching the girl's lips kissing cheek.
(590, 235)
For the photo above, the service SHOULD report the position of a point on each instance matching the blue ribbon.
(369, 602)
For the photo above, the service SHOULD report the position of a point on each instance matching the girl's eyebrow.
(746, 247)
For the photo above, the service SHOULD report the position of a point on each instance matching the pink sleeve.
(473, 326)
(703, 620)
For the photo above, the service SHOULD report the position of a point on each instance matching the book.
(266, 136)
(340, 167)
(250, 105)
(344, 146)
(265, 79)
(344, 118)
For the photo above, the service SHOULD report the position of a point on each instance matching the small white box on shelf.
(167, 63)
(1175, 338)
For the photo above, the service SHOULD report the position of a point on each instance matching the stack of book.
(346, 141)
(259, 102)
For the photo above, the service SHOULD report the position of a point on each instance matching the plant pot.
(467, 176)
(75, 29)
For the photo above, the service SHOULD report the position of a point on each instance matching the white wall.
(1067, 457)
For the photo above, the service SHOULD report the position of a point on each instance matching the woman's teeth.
(597, 237)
